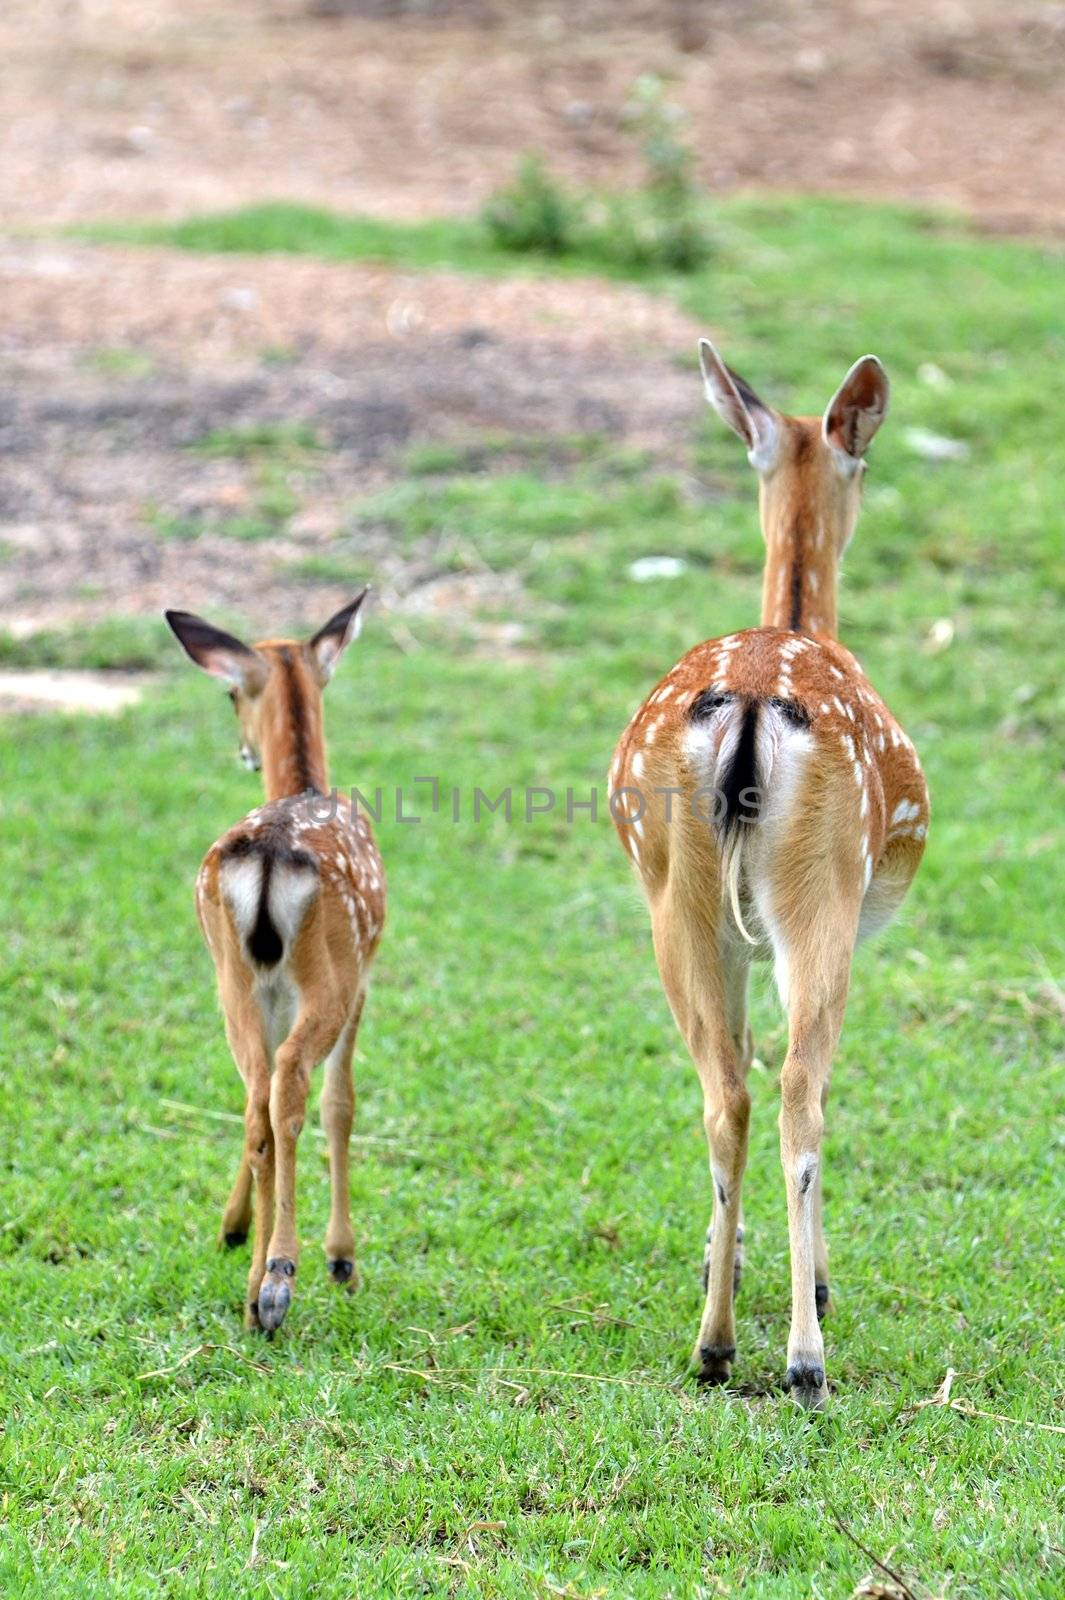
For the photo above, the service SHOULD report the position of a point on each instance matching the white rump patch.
(292, 889)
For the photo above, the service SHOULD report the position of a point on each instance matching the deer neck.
(801, 574)
(293, 740)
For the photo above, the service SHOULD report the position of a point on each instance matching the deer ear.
(739, 407)
(219, 653)
(857, 408)
(330, 642)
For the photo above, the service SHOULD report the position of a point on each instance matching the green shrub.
(535, 213)
(660, 225)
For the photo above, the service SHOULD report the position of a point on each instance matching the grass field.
(502, 1408)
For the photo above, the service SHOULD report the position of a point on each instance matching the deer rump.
(748, 751)
(269, 886)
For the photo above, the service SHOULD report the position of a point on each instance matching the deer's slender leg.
(741, 1033)
(821, 1294)
(337, 1112)
(317, 1030)
(244, 1030)
(708, 998)
(817, 999)
(236, 1218)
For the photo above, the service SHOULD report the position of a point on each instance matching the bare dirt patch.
(92, 692)
(150, 107)
(110, 505)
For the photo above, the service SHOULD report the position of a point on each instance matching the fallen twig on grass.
(965, 1408)
(441, 1374)
(903, 1587)
(316, 1133)
(199, 1350)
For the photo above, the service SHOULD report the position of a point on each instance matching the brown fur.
(283, 1018)
(848, 833)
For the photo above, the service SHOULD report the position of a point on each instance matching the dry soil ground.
(113, 362)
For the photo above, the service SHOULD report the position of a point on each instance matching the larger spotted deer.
(291, 902)
(773, 809)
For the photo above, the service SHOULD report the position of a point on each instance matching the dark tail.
(264, 942)
(739, 781)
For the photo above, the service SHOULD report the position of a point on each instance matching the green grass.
(126, 644)
(276, 441)
(501, 1410)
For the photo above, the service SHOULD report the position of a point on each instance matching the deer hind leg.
(822, 1300)
(318, 1026)
(818, 966)
(337, 1113)
(244, 1030)
(745, 1048)
(708, 998)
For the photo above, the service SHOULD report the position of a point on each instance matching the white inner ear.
(845, 464)
(330, 649)
(243, 672)
(754, 425)
(766, 432)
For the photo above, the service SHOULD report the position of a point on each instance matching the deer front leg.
(236, 1218)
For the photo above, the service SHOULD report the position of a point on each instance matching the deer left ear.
(857, 408)
(330, 642)
(218, 653)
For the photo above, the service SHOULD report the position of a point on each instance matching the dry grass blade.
(441, 1374)
(965, 1408)
(199, 1350)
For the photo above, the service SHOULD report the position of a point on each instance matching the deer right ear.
(739, 407)
(219, 653)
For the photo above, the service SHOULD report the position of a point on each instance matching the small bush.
(535, 213)
(661, 225)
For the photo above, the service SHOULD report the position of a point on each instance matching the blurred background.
(160, 406)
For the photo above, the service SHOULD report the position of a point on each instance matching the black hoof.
(806, 1380)
(341, 1270)
(275, 1294)
(821, 1300)
(715, 1363)
(233, 1241)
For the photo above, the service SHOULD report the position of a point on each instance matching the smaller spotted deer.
(773, 809)
(291, 902)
